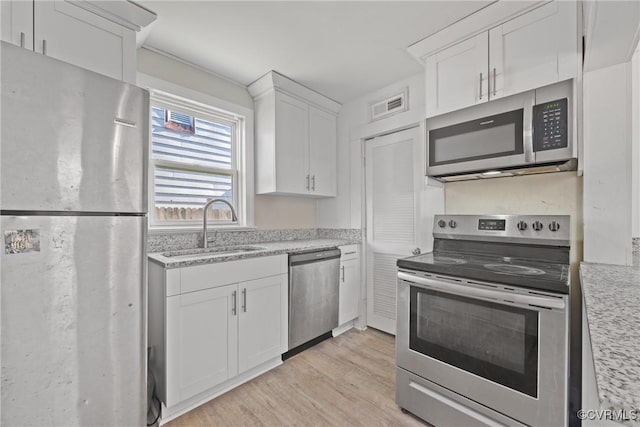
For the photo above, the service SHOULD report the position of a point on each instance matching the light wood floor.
(344, 381)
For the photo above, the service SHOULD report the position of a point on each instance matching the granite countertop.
(612, 298)
(270, 248)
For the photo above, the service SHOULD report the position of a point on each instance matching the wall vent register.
(389, 106)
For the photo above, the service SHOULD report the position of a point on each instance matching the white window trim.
(245, 190)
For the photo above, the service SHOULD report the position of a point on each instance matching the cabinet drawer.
(348, 252)
(223, 273)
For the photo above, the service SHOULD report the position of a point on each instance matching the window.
(196, 153)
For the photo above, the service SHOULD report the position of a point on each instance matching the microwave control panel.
(550, 129)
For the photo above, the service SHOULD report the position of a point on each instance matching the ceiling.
(342, 49)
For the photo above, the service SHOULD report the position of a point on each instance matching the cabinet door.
(533, 50)
(263, 320)
(457, 76)
(17, 22)
(74, 35)
(202, 341)
(292, 145)
(322, 152)
(349, 290)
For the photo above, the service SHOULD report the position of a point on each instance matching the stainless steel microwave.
(533, 128)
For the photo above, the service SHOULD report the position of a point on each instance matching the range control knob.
(452, 224)
(442, 223)
(521, 225)
(554, 226)
(537, 226)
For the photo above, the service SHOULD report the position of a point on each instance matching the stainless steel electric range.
(483, 323)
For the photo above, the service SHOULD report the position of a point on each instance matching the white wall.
(269, 211)
(635, 137)
(545, 194)
(607, 165)
(346, 210)
(171, 70)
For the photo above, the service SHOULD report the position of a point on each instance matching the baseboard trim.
(182, 408)
(343, 328)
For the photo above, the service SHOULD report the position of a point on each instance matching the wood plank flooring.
(344, 381)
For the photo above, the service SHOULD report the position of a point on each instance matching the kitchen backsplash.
(171, 242)
(636, 245)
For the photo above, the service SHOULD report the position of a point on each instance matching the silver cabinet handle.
(244, 300)
(313, 183)
(234, 302)
(44, 47)
(22, 39)
(342, 268)
(494, 82)
(480, 85)
(307, 182)
(350, 253)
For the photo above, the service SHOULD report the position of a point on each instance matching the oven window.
(494, 136)
(497, 342)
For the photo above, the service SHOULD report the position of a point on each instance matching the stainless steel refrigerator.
(73, 200)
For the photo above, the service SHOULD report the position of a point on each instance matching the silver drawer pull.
(494, 82)
(233, 302)
(350, 253)
(244, 300)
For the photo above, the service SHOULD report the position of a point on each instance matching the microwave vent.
(389, 106)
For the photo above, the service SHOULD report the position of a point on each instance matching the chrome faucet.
(204, 222)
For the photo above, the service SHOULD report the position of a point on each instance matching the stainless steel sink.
(212, 252)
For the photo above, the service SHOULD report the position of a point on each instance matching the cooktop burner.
(519, 270)
(448, 260)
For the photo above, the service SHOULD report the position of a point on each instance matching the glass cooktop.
(515, 271)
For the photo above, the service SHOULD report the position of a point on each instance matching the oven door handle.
(469, 291)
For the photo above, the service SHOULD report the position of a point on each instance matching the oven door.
(504, 348)
(495, 135)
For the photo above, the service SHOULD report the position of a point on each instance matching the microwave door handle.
(527, 132)
(468, 291)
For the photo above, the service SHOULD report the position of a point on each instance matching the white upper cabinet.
(17, 22)
(292, 150)
(322, 152)
(296, 138)
(533, 50)
(78, 32)
(457, 76)
(68, 33)
(537, 47)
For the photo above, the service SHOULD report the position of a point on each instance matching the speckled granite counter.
(612, 298)
(270, 248)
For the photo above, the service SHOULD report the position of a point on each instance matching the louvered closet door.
(393, 174)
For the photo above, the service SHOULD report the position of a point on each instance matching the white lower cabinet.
(202, 342)
(209, 335)
(263, 312)
(348, 307)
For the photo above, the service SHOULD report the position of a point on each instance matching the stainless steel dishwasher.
(314, 280)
